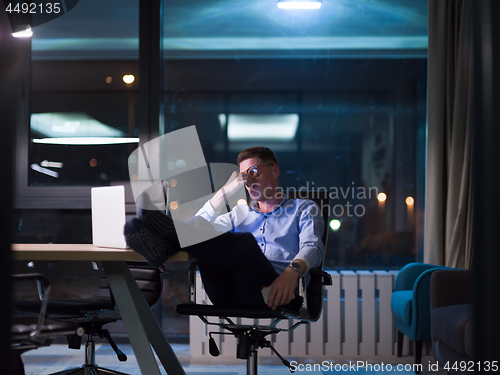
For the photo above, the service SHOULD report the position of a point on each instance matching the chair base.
(89, 370)
(247, 348)
(90, 367)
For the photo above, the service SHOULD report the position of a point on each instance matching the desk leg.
(141, 326)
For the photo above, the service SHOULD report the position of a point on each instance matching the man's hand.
(232, 185)
(283, 288)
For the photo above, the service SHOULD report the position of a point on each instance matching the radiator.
(356, 320)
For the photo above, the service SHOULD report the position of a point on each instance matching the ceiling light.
(299, 4)
(273, 127)
(70, 124)
(24, 34)
(81, 141)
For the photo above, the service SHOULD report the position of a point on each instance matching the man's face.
(260, 181)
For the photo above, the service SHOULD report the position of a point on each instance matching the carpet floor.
(58, 357)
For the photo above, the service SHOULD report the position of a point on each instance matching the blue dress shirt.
(293, 230)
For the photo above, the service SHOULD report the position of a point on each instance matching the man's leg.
(236, 253)
(240, 258)
(219, 284)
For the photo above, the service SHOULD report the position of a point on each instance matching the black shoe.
(150, 245)
(154, 218)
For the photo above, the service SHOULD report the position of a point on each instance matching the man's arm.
(211, 209)
(311, 249)
(232, 185)
(283, 288)
(311, 227)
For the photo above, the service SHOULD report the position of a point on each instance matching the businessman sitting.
(272, 242)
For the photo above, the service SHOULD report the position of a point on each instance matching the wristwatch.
(296, 266)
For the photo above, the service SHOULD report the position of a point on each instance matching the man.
(272, 243)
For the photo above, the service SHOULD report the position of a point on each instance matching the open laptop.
(108, 216)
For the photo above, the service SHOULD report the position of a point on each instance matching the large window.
(82, 120)
(349, 76)
(338, 93)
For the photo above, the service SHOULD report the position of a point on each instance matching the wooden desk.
(87, 252)
(140, 324)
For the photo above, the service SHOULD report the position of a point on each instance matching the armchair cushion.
(401, 305)
(452, 324)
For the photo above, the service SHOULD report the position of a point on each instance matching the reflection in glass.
(351, 79)
(83, 115)
(254, 127)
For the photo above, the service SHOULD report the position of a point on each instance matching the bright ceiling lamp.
(299, 4)
(86, 141)
(75, 128)
(279, 127)
(28, 33)
(71, 124)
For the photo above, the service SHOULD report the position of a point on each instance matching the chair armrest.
(409, 274)
(318, 278)
(192, 282)
(45, 283)
(421, 294)
(326, 277)
(303, 312)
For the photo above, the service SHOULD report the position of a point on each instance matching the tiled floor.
(58, 357)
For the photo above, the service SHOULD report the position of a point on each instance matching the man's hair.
(263, 153)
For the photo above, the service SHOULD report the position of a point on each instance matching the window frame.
(149, 115)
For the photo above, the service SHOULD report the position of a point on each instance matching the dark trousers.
(232, 266)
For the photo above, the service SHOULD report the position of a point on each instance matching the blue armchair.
(410, 306)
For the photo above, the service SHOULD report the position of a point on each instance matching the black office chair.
(252, 337)
(33, 332)
(93, 313)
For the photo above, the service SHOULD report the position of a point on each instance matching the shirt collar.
(255, 207)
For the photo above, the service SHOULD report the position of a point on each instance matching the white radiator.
(356, 320)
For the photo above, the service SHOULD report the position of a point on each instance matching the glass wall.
(338, 93)
(83, 103)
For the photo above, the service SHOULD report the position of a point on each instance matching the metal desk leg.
(140, 323)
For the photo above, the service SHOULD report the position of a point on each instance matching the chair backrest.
(149, 280)
(315, 287)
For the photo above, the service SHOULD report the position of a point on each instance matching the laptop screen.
(108, 216)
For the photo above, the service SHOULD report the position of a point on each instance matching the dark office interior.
(361, 123)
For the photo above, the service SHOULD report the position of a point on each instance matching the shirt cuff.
(208, 212)
(308, 264)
